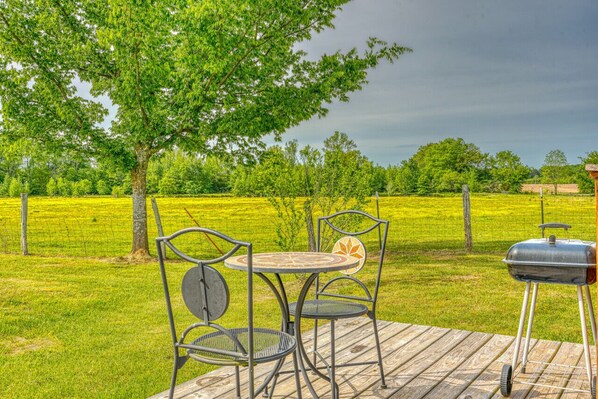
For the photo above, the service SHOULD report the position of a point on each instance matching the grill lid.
(552, 252)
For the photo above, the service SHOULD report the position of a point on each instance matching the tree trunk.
(139, 188)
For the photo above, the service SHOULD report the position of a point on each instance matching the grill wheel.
(506, 380)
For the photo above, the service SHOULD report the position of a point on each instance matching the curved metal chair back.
(204, 290)
(332, 221)
(206, 295)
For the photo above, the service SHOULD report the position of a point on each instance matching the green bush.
(65, 187)
(51, 187)
(118, 191)
(15, 188)
(102, 187)
(82, 187)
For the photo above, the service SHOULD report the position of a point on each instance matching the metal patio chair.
(206, 295)
(338, 306)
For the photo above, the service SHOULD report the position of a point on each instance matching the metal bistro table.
(279, 263)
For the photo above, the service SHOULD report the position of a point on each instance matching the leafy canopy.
(206, 75)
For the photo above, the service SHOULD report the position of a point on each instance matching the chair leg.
(238, 382)
(333, 386)
(382, 380)
(315, 341)
(297, 381)
(175, 369)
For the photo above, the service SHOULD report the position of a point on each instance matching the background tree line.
(286, 170)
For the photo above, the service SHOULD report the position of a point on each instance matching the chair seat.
(329, 309)
(268, 345)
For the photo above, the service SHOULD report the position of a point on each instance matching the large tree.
(199, 75)
(507, 171)
(554, 169)
(446, 165)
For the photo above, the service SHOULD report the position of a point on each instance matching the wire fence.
(102, 226)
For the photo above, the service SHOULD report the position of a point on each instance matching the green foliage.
(118, 191)
(65, 187)
(177, 172)
(282, 181)
(168, 185)
(340, 178)
(51, 187)
(15, 188)
(82, 187)
(440, 167)
(5, 185)
(584, 182)
(554, 168)
(179, 75)
(507, 172)
(444, 166)
(402, 179)
(102, 188)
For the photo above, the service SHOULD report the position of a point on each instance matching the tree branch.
(138, 87)
(46, 72)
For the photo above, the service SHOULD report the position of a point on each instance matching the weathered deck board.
(220, 383)
(419, 362)
(579, 378)
(543, 351)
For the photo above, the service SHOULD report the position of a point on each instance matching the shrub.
(118, 191)
(102, 187)
(15, 188)
(51, 187)
(65, 187)
(82, 187)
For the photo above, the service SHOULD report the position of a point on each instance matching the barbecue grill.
(554, 261)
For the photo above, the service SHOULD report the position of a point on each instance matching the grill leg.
(530, 323)
(584, 334)
(521, 324)
(591, 312)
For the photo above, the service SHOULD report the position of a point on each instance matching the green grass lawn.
(101, 226)
(87, 328)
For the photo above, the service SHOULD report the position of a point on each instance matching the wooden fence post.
(542, 208)
(467, 219)
(159, 224)
(24, 200)
(593, 170)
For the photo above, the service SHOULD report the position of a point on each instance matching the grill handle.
(554, 226)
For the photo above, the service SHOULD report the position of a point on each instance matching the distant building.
(549, 188)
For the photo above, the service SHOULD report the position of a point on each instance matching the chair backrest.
(351, 244)
(204, 290)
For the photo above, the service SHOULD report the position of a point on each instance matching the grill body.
(552, 260)
(555, 261)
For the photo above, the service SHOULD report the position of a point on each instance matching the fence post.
(24, 200)
(542, 207)
(467, 218)
(159, 224)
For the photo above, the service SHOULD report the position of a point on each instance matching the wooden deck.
(419, 362)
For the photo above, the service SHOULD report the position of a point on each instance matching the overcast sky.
(503, 75)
